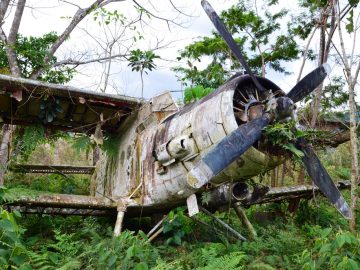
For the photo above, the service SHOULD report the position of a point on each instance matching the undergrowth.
(314, 238)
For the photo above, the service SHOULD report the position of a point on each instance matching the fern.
(8, 195)
(111, 145)
(174, 265)
(82, 143)
(62, 253)
(260, 266)
(72, 264)
(43, 260)
(210, 253)
(127, 251)
(33, 136)
(230, 261)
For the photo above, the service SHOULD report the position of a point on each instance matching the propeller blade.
(308, 84)
(322, 179)
(220, 27)
(226, 151)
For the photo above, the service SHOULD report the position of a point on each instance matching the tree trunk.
(354, 157)
(4, 151)
(351, 82)
(15, 71)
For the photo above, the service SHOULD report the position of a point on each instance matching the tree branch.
(78, 17)
(79, 62)
(305, 54)
(330, 35)
(2, 35)
(342, 46)
(178, 10)
(4, 4)
(357, 71)
(168, 21)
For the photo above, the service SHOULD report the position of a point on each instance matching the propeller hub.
(284, 108)
(281, 109)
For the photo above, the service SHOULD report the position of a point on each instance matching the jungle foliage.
(31, 52)
(314, 238)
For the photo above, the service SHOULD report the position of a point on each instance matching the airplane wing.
(67, 204)
(61, 107)
(277, 194)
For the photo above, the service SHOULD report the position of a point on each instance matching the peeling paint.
(169, 144)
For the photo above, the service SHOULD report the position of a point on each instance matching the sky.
(43, 16)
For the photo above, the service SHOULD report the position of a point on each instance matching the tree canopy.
(261, 37)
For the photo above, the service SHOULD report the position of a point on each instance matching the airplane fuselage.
(160, 144)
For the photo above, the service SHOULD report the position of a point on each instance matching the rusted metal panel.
(169, 187)
(63, 169)
(163, 105)
(134, 167)
(207, 122)
(66, 201)
(10, 84)
(61, 211)
(121, 172)
(223, 195)
(80, 109)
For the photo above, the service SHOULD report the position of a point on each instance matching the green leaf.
(25, 266)
(325, 248)
(112, 261)
(353, 265)
(291, 147)
(16, 213)
(54, 257)
(177, 240)
(348, 264)
(167, 228)
(7, 225)
(325, 233)
(350, 25)
(18, 259)
(4, 253)
(142, 266)
(130, 252)
(340, 240)
(206, 197)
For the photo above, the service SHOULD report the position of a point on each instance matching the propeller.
(308, 84)
(236, 143)
(321, 178)
(220, 27)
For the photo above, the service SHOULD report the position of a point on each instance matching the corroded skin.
(161, 144)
